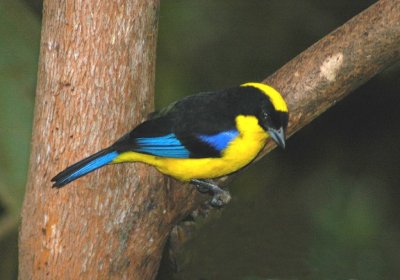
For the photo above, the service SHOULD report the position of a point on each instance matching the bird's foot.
(220, 196)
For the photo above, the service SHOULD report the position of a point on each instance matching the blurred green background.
(325, 208)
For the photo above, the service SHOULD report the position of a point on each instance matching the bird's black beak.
(278, 135)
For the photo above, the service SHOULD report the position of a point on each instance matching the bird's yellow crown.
(275, 97)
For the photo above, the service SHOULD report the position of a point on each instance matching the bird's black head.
(275, 123)
(273, 115)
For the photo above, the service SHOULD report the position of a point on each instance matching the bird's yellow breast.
(240, 152)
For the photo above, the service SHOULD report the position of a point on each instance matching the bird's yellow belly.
(207, 168)
(238, 154)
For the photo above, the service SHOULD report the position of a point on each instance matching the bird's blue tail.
(84, 167)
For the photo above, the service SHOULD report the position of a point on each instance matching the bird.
(198, 138)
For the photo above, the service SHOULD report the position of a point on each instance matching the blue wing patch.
(163, 146)
(220, 140)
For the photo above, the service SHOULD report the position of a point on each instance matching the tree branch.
(340, 62)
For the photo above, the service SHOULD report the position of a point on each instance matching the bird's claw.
(220, 197)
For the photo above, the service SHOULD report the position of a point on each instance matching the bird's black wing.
(197, 126)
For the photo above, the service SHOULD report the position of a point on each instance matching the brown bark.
(340, 62)
(95, 82)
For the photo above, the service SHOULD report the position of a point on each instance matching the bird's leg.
(220, 196)
(203, 186)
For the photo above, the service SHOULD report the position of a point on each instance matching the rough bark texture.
(95, 82)
(340, 62)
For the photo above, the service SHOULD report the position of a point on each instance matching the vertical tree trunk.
(95, 82)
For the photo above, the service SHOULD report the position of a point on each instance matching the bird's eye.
(267, 119)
